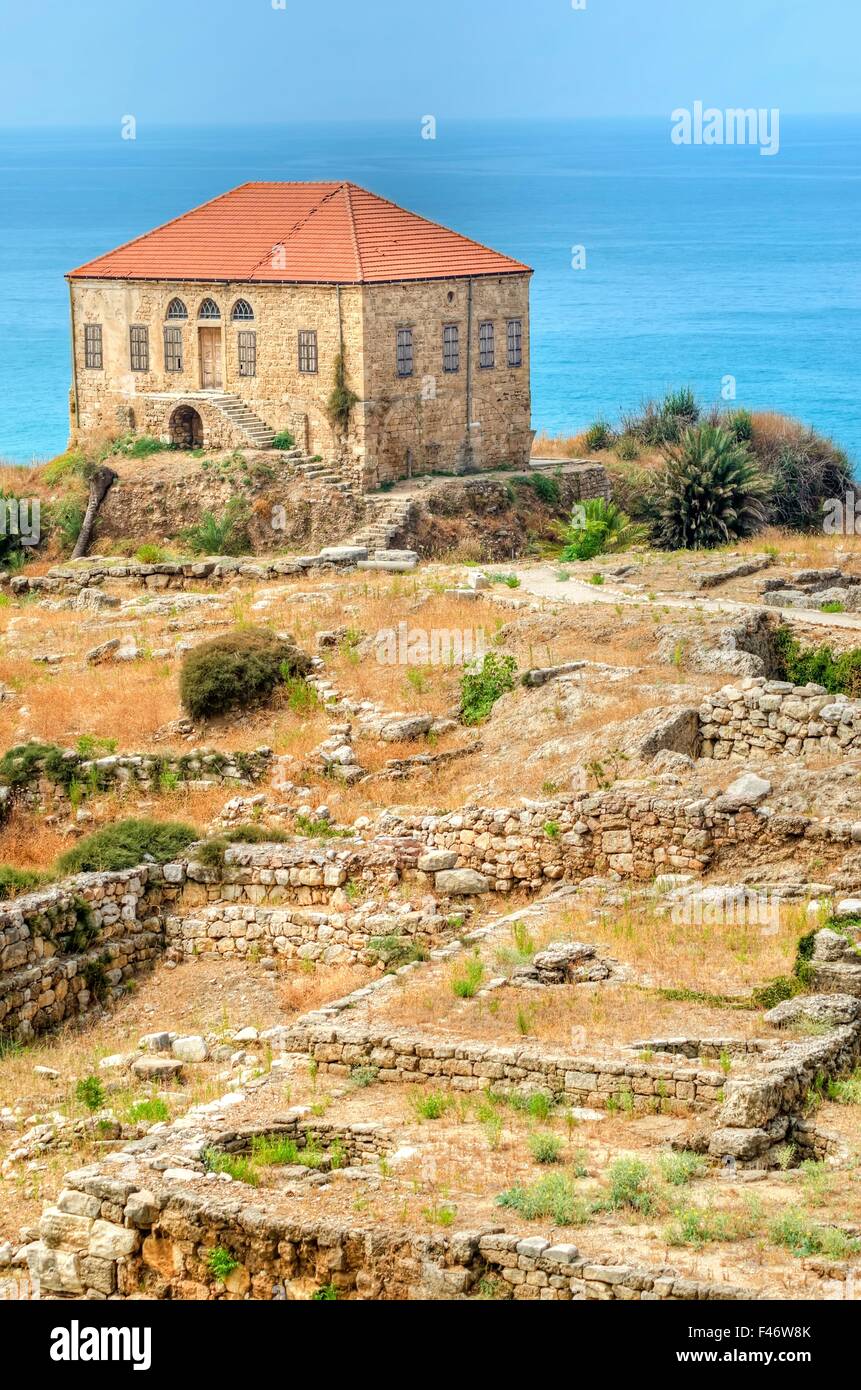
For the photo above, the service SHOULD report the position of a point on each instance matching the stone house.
(232, 324)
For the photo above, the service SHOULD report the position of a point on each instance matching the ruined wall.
(108, 1236)
(780, 719)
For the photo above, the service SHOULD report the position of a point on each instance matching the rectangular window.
(93, 345)
(308, 350)
(515, 342)
(486, 352)
(173, 349)
(405, 352)
(451, 348)
(247, 353)
(139, 343)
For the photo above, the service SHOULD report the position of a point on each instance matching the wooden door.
(210, 359)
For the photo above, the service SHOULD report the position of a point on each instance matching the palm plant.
(710, 492)
(597, 527)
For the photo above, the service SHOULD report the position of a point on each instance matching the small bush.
(227, 535)
(148, 1112)
(631, 1186)
(839, 673)
(283, 440)
(236, 1166)
(598, 527)
(552, 1197)
(465, 985)
(482, 686)
(678, 1169)
(149, 554)
(126, 844)
(326, 1293)
(545, 1148)
(599, 436)
(794, 1230)
(221, 1263)
(91, 1093)
(430, 1105)
(239, 670)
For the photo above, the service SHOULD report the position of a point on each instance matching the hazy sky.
(90, 62)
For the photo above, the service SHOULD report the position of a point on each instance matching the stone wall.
(115, 399)
(436, 421)
(402, 1056)
(780, 719)
(109, 1237)
(47, 788)
(65, 950)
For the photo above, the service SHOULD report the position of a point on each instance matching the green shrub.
(90, 1092)
(804, 470)
(225, 536)
(26, 762)
(221, 1263)
(148, 1112)
(839, 673)
(237, 1166)
(482, 686)
(430, 1105)
(740, 424)
(631, 1186)
(342, 398)
(127, 843)
(395, 951)
(69, 465)
(326, 1293)
(599, 436)
(597, 527)
(709, 492)
(138, 446)
(553, 1197)
(466, 985)
(65, 519)
(545, 1148)
(149, 554)
(678, 1169)
(14, 881)
(283, 440)
(698, 1227)
(238, 670)
(794, 1230)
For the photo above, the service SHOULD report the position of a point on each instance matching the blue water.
(702, 262)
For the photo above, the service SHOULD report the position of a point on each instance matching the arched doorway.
(186, 427)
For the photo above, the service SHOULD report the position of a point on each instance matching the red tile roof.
(334, 233)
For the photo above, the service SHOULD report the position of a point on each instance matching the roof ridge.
(333, 189)
(348, 192)
(162, 226)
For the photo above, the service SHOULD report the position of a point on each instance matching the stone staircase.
(318, 471)
(256, 431)
(387, 517)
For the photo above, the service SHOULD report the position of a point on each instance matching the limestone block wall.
(437, 421)
(115, 398)
(109, 1236)
(66, 949)
(323, 934)
(779, 719)
(576, 1079)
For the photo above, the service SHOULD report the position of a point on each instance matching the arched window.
(242, 311)
(209, 310)
(176, 310)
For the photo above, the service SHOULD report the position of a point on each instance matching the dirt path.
(542, 582)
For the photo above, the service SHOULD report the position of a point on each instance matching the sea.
(657, 265)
